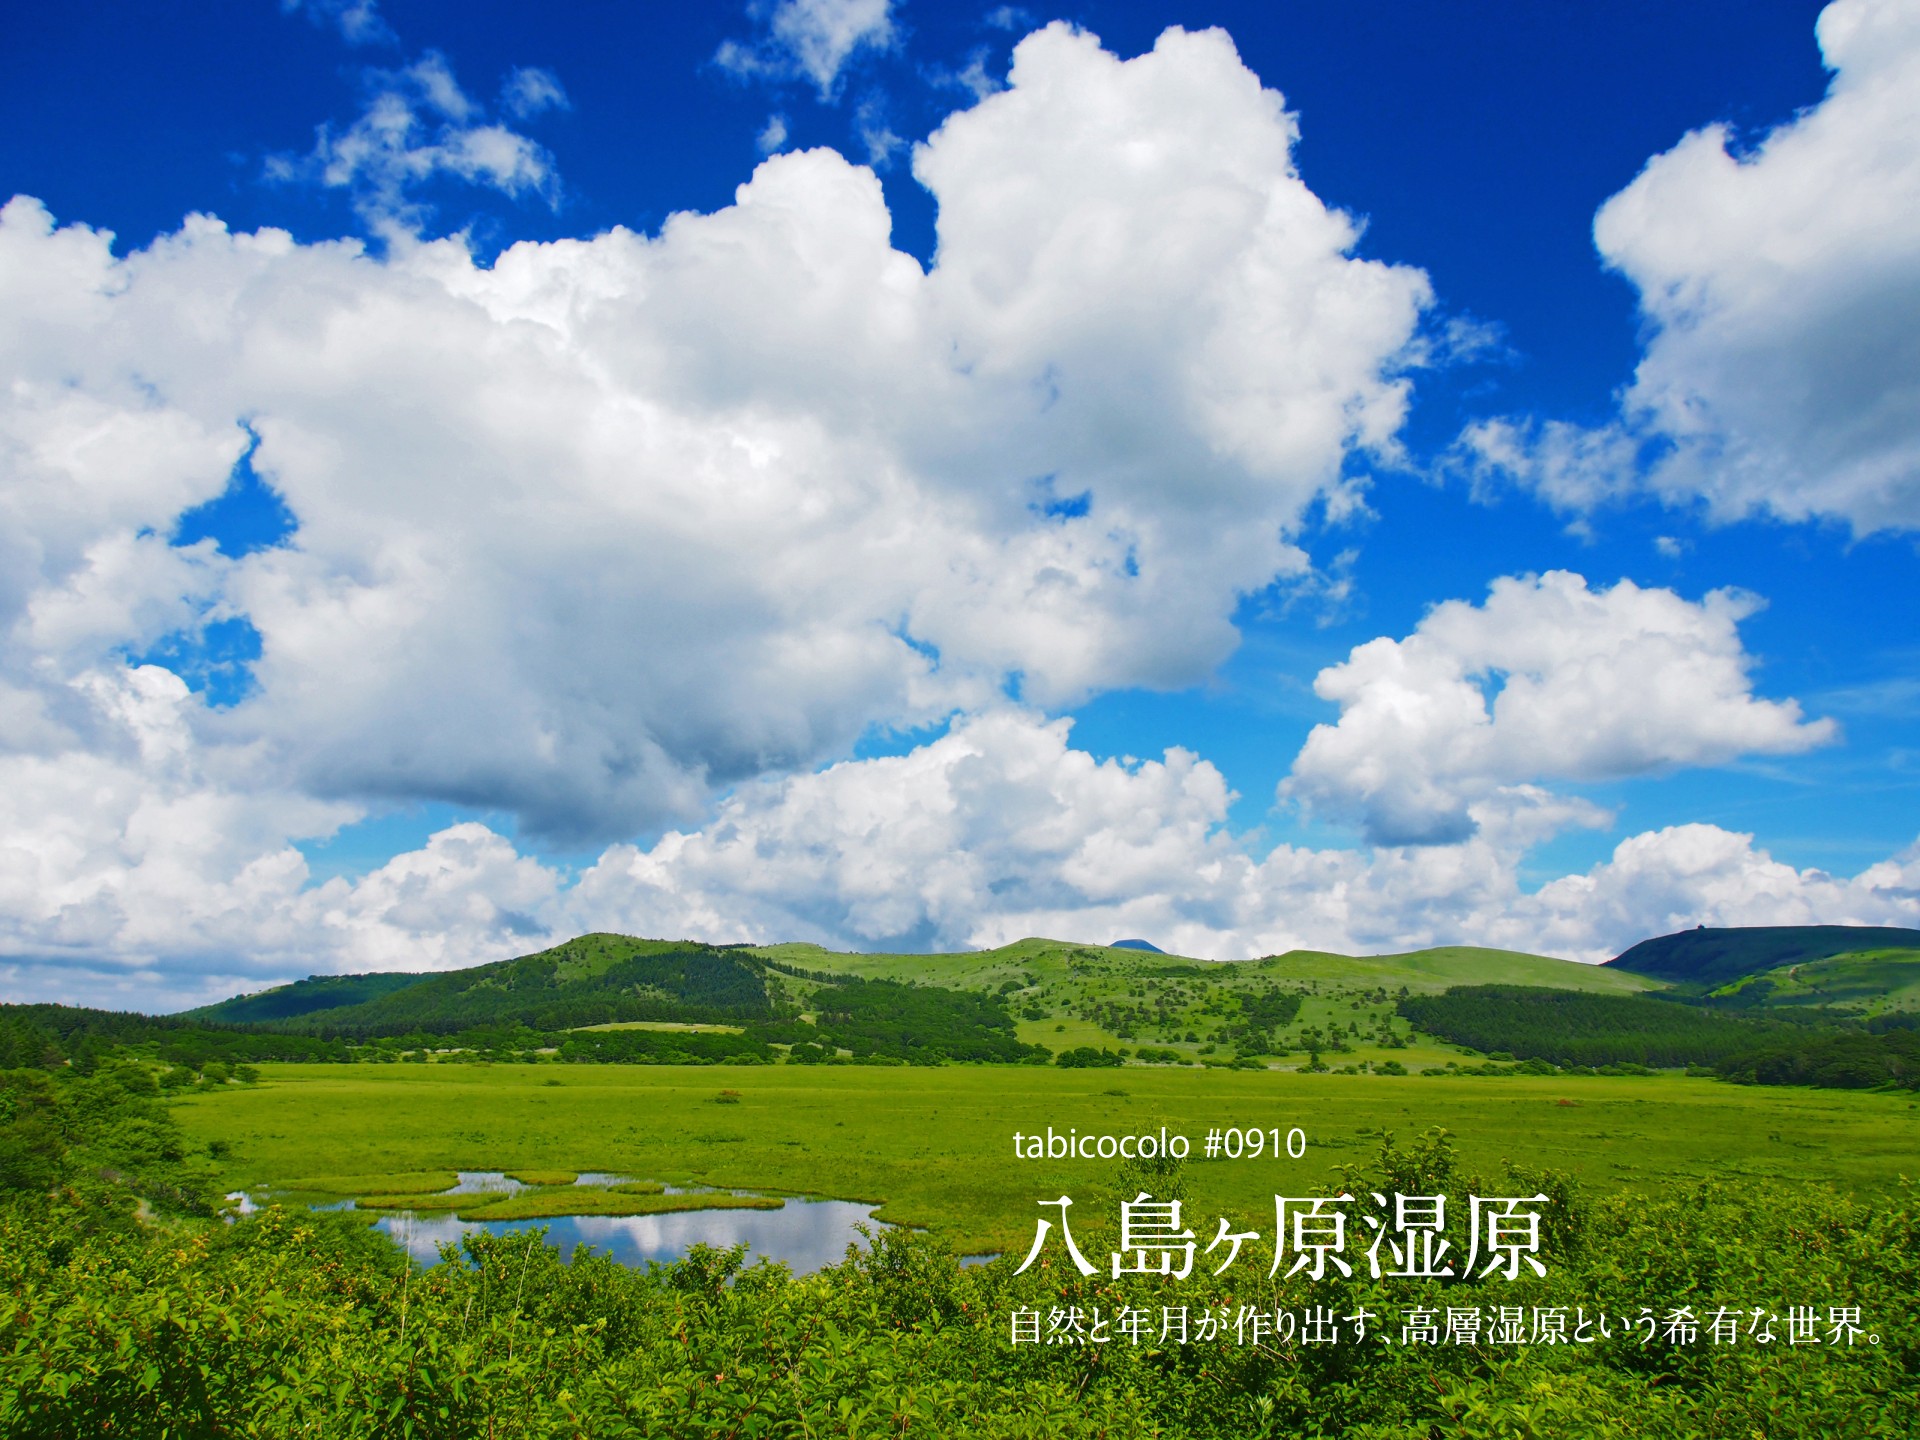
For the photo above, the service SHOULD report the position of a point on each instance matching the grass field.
(935, 1145)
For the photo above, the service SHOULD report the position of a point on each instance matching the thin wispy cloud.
(358, 22)
(418, 125)
(811, 40)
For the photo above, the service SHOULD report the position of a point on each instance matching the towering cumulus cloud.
(595, 532)
(626, 542)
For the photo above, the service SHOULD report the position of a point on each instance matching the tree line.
(1576, 1027)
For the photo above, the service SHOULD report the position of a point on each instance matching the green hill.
(1449, 965)
(1707, 959)
(1062, 994)
(1420, 970)
(305, 997)
(1868, 982)
(1068, 996)
(1065, 995)
(591, 980)
(617, 998)
(601, 979)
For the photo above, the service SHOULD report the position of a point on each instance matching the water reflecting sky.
(805, 1235)
(484, 1182)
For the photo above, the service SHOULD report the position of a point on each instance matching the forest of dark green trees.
(1572, 1027)
(1578, 1029)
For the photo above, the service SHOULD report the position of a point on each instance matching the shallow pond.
(804, 1235)
(484, 1182)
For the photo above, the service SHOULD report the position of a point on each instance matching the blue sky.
(910, 476)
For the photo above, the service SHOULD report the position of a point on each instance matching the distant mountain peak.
(1136, 945)
(1709, 957)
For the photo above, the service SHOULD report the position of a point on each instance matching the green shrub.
(1085, 1057)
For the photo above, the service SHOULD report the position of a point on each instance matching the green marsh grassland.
(934, 1146)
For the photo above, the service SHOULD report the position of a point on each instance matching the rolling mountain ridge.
(1759, 961)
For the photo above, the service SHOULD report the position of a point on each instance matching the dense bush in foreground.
(303, 1325)
(296, 1324)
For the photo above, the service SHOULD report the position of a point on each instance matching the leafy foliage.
(46, 1036)
(25, 1045)
(1843, 1062)
(1087, 1057)
(917, 1023)
(82, 1132)
(662, 1047)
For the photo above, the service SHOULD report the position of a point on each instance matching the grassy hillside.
(1449, 965)
(1867, 982)
(1304, 1008)
(305, 997)
(1704, 958)
(1433, 969)
(591, 980)
(1067, 995)
(1303, 1004)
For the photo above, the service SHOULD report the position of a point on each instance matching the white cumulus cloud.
(1780, 286)
(1674, 879)
(156, 876)
(998, 822)
(595, 532)
(1587, 685)
(614, 526)
(1002, 828)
